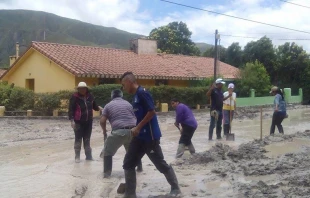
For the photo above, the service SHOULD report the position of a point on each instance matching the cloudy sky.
(141, 16)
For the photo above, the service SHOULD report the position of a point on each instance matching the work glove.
(215, 114)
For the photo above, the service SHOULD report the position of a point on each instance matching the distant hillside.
(203, 47)
(24, 26)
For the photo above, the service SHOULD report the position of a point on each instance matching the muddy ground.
(37, 160)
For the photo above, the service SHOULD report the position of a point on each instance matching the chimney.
(17, 50)
(143, 46)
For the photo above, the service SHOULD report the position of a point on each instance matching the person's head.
(274, 90)
(129, 82)
(231, 87)
(82, 88)
(117, 93)
(174, 102)
(219, 83)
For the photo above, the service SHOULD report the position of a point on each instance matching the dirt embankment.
(287, 175)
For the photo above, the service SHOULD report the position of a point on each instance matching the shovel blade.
(230, 137)
(121, 188)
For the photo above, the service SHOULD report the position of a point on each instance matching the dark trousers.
(218, 123)
(83, 132)
(138, 148)
(187, 134)
(277, 119)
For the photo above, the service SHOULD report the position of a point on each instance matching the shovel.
(230, 136)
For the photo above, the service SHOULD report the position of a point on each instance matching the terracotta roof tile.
(2, 72)
(88, 60)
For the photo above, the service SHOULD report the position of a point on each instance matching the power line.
(280, 39)
(183, 5)
(295, 4)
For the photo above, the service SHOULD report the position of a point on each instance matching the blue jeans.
(218, 125)
(227, 116)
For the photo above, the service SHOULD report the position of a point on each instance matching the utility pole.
(215, 53)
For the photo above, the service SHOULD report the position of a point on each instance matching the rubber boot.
(280, 128)
(173, 181)
(226, 129)
(107, 166)
(180, 150)
(191, 148)
(77, 156)
(139, 167)
(88, 155)
(218, 133)
(131, 182)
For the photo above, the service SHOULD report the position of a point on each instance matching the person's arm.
(71, 110)
(147, 103)
(229, 95)
(103, 124)
(210, 90)
(95, 106)
(277, 100)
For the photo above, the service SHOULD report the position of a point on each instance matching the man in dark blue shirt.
(216, 113)
(146, 138)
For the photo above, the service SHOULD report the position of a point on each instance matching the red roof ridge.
(80, 46)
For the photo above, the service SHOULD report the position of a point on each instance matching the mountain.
(203, 47)
(24, 26)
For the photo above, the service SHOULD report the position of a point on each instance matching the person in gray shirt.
(121, 116)
(279, 110)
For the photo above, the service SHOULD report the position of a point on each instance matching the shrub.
(47, 102)
(20, 99)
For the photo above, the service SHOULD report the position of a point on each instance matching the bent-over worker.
(186, 118)
(120, 114)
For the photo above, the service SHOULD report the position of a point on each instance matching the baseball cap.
(274, 88)
(219, 81)
(231, 86)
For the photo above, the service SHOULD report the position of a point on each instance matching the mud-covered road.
(37, 160)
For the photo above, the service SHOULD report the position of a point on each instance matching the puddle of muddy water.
(281, 148)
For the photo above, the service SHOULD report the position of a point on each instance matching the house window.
(30, 84)
(161, 82)
(107, 81)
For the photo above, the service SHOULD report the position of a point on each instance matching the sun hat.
(219, 81)
(231, 86)
(82, 85)
(273, 89)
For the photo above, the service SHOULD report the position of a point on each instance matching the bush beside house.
(20, 99)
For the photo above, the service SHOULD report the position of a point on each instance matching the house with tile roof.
(50, 67)
(2, 72)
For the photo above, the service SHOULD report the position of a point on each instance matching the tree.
(253, 76)
(263, 51)
(234, 55)
(175, 38)
(291, 62)
(221, 53)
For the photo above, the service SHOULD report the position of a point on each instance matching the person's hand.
(135, 131)
(212, 86)
(73, 125)
(181, 131)
(176, 124)
(230, 94)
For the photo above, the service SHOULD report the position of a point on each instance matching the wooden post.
(2, 110)
(55, 113)
(261, 123)
(29, 113)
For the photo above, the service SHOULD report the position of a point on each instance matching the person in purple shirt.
(186, 118)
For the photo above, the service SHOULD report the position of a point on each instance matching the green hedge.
(19, 99)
